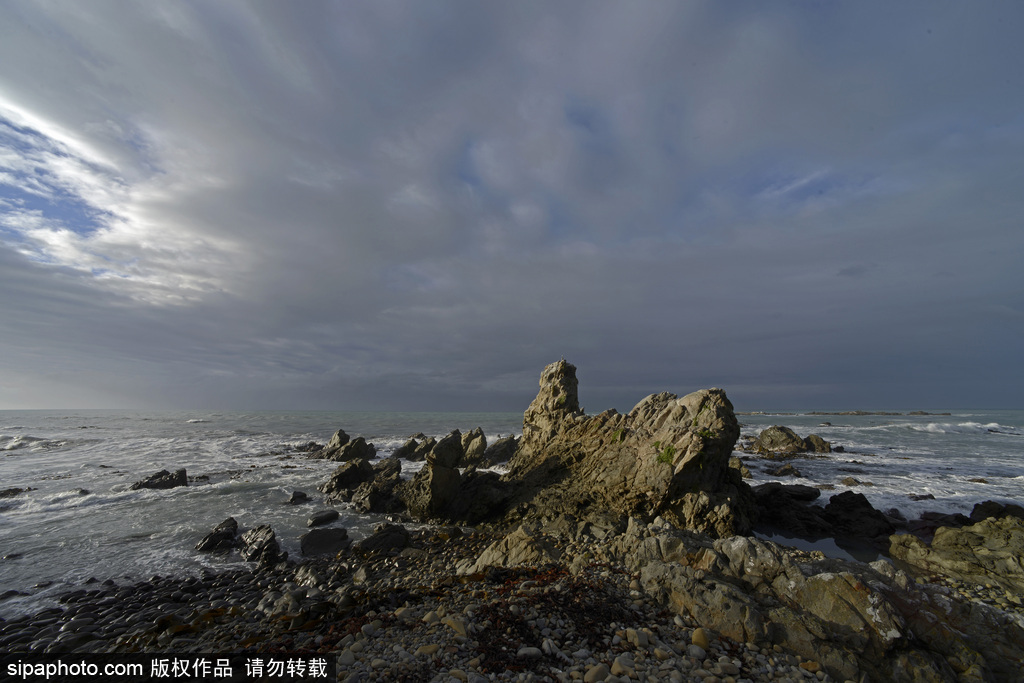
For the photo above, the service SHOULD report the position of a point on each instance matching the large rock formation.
(851, 618)
(162, 480)
(668, 456)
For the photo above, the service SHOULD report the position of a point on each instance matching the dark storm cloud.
(419, 205)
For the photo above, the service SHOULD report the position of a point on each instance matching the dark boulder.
(224, 537)
(322, 517)
(385, 537)
(339, 439)
(852, 515)
(298, 498)
(992, 509)
(162, 480)
(378, 494)
(786, 508)
(324, 541)
(259, 544)
(786, 470)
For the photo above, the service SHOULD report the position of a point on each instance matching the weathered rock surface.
(448, 451)
(356, 448)
(780, 439)
(346, 478)
(430, 491)
(224, 537)
(324, 541)
(378, 494)
(259, 544)
(298, 498)
(786, 508)
(339, 439)
(989, 552)
(668, 456)
(385, 537)
(849, 618)
(474, 446)
(162, 480)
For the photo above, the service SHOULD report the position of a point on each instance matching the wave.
(13, 443)
(967, 428)
(196, 420)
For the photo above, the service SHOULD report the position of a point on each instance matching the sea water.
(81, 520)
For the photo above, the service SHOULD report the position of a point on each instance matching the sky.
(417, 206)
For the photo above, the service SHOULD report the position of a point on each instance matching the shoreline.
(439, 603)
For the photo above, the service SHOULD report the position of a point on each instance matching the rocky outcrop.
(416, 448)
(346, 478)
(815, 443)
(223, 538)
(989, 552)
(992, 509)
(339, 439)
(849, 618)
(356, 448)
(474, 446)
(379, 493)
(428, 494)
(162, 480)
(448, 451)
(852, 515)
(668, 456)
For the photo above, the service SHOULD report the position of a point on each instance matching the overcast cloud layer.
(418, 205)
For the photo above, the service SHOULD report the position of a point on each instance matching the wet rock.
(786, 508)
(224, 537)
(162, 480)
(816, 444)
(298, 498)
(339, 439)
(321, 517)
(786, 470)
(260, 544)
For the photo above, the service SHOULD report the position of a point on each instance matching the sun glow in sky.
(403, 205)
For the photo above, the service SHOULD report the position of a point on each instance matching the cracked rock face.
(668, 456)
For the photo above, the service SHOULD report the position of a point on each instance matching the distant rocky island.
(608, 547)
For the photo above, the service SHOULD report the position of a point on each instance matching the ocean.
(82, 521)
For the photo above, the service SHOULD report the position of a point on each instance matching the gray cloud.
(414, 206)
